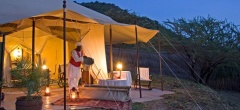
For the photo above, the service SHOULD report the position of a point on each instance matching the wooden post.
(33, 43)
(2, 66)
(111, 56)
(160, 61)
(137, 58)
(64, 51)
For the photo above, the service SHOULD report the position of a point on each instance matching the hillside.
(121, 15)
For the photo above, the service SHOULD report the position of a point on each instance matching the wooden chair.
(144, 77)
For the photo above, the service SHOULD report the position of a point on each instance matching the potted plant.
(29, 81)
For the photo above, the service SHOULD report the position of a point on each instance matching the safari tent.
(23, 20)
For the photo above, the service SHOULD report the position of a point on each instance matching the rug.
(105, 104)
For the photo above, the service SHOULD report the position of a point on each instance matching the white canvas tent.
(12, 10)
(82, 22)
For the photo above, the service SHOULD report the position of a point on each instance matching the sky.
(161, 10)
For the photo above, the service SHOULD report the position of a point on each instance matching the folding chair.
(144, 77)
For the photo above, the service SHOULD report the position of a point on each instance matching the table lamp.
(119, 67)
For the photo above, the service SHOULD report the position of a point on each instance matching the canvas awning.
(124, 33)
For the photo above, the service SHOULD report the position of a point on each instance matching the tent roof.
(48, 15)
(12, 10)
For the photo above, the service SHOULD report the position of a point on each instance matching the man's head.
(79, 46)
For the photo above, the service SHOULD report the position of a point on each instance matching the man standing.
(74, 71)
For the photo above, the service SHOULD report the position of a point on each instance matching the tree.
(207, 43)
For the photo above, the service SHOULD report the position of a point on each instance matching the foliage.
(121, 15)
(29, 78)
(207, 43)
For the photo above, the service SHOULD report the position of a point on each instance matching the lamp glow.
(73, 94)
(119, 66)
(47, 91)
(17, 53)
(44, 67)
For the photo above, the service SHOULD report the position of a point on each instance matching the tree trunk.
(192, 66)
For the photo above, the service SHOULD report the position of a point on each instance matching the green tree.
(208, 44)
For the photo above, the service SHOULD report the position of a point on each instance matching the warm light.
(119, 66)
(47, 100)
(47, 91)
(44, 67)
(73, 94)
(17, 53)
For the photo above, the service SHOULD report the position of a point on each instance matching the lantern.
(119, 67)
(73, 94)
(47, 91)
(17, 53)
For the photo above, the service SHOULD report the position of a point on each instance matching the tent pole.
(33, 43)
(160, 60)
(111, 57)
(64, 50)
(137, 57)
(2, 65)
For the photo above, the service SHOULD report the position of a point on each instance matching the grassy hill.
(206, 98)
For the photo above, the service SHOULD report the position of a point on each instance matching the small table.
(125, 75)
(115, 82)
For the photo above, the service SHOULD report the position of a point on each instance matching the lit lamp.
(47, 91)
(73, 94)
(44, 67)
(17, 53)
(46, 72)
(119, 67)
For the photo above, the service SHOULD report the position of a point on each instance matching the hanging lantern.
(47, 91)
(73, 94)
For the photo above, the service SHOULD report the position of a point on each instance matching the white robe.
(74, 73)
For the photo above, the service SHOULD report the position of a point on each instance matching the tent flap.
(126, 34)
